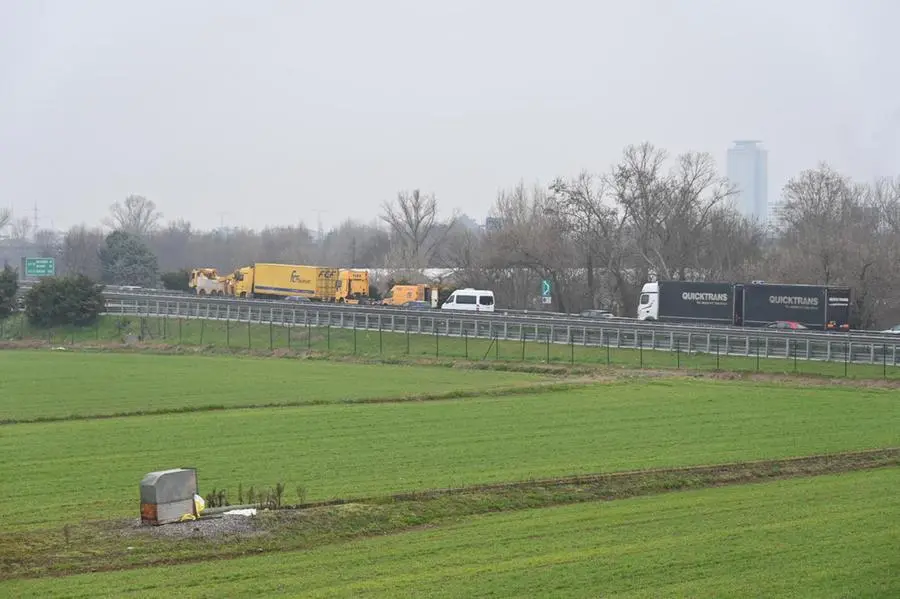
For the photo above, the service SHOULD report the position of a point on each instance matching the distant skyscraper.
(748, 171)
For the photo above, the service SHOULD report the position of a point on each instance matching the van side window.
(645, 299)
(486, 300)
(465, 299)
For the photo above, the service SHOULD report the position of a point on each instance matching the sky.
(274, 113)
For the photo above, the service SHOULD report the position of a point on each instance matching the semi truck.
(266, 280)
(746, 304)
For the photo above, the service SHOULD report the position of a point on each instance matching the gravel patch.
(209, 527)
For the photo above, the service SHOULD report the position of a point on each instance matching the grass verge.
(249, 337)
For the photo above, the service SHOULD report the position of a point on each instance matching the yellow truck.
(285, 280)
(352, 286)
(400, 295)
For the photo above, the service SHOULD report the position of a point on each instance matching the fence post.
(522, 334)
(795, 355)
(227, 333)
(380, 338)
(466, 341)
(407, 337)
(308, 333)
(180, 337)
(608, 359)
(289, 327)
(97, 329)
(328, 334)
(437, 345)
(677, 354)
(846, 357)
(548, 347)
(202, 328)
(271, 334)
(717, 353)
(571, 349)
(640, 349)
(497, 346)
(249, 342)
(884, 359)
(354, 334)
(757, 354)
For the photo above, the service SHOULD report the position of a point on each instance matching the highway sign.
(40, 267)
(546, 289)
(546, 299)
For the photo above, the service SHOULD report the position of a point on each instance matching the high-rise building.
(748, 171)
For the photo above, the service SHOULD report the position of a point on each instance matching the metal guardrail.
(514, 317)
(760, 343)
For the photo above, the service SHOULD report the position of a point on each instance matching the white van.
(475, 300)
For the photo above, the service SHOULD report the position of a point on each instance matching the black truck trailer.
(746, 304)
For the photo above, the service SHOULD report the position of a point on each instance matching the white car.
(894, 329)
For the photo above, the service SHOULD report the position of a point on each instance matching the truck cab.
(243, 282)
(648, 304)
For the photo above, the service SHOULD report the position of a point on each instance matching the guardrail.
(511, 317)
(758, 343)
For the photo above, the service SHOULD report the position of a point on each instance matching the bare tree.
(48, 243)
(20, 228)
(136, 215)
(81, 251)
(837, 232)
(5, 218)
(533, 236)
(417, 233)
(600, 236)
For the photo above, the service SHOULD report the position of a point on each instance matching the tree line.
(597, 236)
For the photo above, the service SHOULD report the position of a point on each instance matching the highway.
(855, 347)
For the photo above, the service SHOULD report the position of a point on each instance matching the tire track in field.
(44, 553)
(526, 389)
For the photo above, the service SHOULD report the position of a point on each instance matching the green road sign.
(40, 267)
(546, 288)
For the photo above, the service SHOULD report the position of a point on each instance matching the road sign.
(546, 299)
(546, 289)
(40, 267)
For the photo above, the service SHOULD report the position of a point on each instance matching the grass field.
(258, 337)
(829, 536)
(89, 469)
(78, 430)
(42, 384)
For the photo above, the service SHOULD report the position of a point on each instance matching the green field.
(237, 336)
(90, 469)
(43, 384)
(829, 536)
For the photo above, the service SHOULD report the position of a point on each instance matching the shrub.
(9, 285)
(177, 280)
(61, 301)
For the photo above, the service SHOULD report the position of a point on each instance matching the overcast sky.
(266, 112)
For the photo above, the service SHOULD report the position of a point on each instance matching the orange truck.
(400, 295)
